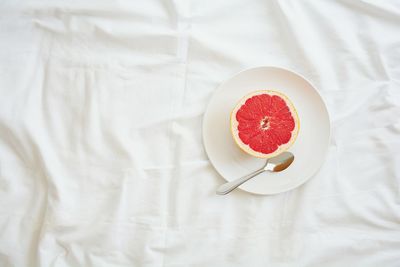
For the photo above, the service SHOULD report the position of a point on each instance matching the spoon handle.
(229, 186)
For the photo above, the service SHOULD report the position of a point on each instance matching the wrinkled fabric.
(101, 154)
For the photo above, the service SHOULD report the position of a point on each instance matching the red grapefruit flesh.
(264, 123)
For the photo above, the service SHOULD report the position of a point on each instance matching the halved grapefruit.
(264, 123)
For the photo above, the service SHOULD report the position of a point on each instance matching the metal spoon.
(275, 164)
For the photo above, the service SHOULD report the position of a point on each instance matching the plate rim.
(298, 184)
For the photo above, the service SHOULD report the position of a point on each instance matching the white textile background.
(101, 154)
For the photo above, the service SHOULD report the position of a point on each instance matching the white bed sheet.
(101, 155)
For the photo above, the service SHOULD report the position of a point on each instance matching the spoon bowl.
(280, 162)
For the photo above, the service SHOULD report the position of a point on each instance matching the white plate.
(309, 149)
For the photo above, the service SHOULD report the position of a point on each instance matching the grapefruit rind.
(247, 148)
